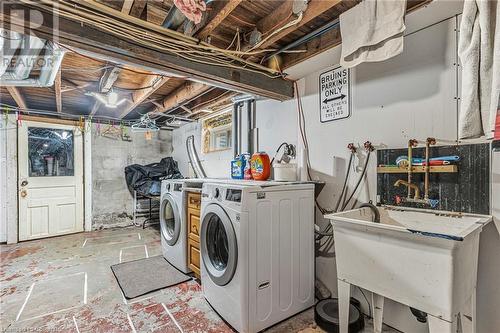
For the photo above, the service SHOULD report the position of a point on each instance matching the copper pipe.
(411, 143)
(428, 142)
(410, 186)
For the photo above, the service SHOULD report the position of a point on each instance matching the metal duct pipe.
(31, 47)
(304, 39)
(52, 62)
(253, 131)
(236, 132)
(193, 158)
(11, 40)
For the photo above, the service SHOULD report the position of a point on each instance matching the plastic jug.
(260, 166)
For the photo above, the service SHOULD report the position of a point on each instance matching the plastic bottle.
(260, 166)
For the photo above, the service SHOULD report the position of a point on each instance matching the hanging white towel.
(372, 31)
(479, 52)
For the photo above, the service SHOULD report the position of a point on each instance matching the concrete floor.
(65, 284)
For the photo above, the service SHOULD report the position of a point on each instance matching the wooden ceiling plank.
(127, 6)
(139, 96)
(137, 8)
(218, 18)
(58, 92)
(281, 14)
(121, 49)
(17, 96)
(181, 95)
(155, 14)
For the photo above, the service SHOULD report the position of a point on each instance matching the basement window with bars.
(217, 133)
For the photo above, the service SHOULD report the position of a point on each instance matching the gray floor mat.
(139, 277)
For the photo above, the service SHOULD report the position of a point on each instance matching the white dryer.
(173, 224)
(257, 251)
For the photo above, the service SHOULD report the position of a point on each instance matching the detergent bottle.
(238, 167)
(260, 166)
(247, 172)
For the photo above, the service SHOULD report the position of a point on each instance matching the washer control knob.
(216, 193)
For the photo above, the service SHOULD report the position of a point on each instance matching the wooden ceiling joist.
(127, 6)
(17, 97)
(137, 8)
(121, 49)
(218, 18)
(58, 92)
(181, 95)
(139, 96)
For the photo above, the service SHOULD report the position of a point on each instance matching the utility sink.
(425, 259)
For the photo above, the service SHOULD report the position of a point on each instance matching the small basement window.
(217, 133)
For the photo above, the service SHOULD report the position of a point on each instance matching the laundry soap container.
(238, 167)
(260, 166)
(285, 172)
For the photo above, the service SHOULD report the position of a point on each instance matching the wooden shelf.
(419, 169)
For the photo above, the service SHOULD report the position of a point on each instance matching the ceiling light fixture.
(110, 99)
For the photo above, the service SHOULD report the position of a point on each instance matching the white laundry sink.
(422, 258)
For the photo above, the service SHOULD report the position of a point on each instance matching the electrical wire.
(166, 40)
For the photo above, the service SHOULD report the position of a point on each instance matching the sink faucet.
(409, 185)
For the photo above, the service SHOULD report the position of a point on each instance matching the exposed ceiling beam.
(58, 92)
(127, 6)
(314, 9)
(126, 50)
(139, 96)
(156, 14)
(224, 98)
(107, 81)
(181, 95)
(18, 98)
(137, 8)
(218, 18)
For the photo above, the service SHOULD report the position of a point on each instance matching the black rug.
(139, 277)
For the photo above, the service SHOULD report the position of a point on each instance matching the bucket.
(285, 172)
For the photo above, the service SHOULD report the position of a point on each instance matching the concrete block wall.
(112, 203)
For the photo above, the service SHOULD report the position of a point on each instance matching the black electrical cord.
(277, 151)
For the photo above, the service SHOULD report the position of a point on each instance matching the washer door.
(170, 220)
(219, 249)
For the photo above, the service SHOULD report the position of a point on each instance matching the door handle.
(24, 183)
(24, 193)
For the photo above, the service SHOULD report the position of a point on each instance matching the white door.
(50, 180)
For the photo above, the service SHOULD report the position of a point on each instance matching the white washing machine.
(173, 220)
(257, 251)
(173, 224)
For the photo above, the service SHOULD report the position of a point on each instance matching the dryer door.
(170, 221)
(219, 249)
